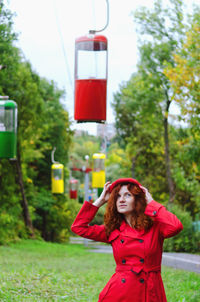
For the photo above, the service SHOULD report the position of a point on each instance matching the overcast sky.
(45, 27)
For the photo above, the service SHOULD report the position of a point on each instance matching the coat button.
(141, 241)
(123, 261)
(122, 240)
(141, 280)
(142, 260)
(154, 213)
(123, 280)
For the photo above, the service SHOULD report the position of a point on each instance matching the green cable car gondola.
(8, 129)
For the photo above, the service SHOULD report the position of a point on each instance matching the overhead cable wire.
(94, 23)
(63, 46)
(93, 13)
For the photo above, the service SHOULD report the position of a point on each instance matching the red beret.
(125, 181)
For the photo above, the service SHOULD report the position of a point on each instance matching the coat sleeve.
(169, 224)
(81, 225)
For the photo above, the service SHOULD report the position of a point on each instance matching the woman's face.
(125, 201)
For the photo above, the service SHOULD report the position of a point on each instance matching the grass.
(40, 271)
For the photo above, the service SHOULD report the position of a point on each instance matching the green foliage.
(142, 109)
(185, 84)
(186, 169)
(139, 124)
(184, 74)
(54, 215)
(116, 162)
(51, 216)
(142, 105)
(11, 224)
(42, 125)
(187, 240)
(99, 217)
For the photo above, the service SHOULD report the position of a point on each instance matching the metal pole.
(86, 186)
(85, 241)
(84, 169)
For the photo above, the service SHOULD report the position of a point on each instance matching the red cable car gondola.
(90, 78)
(73, 188)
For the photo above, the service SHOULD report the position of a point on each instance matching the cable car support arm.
(52, 156)
(93, 31)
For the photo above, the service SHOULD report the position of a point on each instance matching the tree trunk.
(170, 182)
(24, 203)
(133, 167)
(44, 233)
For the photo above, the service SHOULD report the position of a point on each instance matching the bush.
(186, 241)
(99, 217)
(54, 215)
(11, 228)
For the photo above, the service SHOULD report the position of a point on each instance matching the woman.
(136, 226)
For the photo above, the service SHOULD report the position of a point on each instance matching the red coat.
(137, 254)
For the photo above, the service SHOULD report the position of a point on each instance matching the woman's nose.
(121, 200)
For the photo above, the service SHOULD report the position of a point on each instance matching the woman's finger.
(107, 185)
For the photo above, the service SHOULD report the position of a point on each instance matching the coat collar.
(126, 230)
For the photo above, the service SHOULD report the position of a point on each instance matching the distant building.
(78, 132)
(106, 130)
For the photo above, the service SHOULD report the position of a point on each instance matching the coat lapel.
(113, 235)
(128, 231)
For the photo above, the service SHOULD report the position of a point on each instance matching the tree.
(10, 59)
(42, 124)
(184, 74)
(185, 82)
(116, 162)
(134, 106)
(162, 31)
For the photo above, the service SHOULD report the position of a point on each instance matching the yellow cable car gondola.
(98, 171)
(57, 178)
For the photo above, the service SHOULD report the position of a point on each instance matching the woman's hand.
(148, 196)
(103, 198)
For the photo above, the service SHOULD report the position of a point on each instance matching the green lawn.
(39, 271)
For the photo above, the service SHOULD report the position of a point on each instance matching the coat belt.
(137, 270)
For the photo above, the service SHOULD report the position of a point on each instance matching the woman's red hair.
(113, 219)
